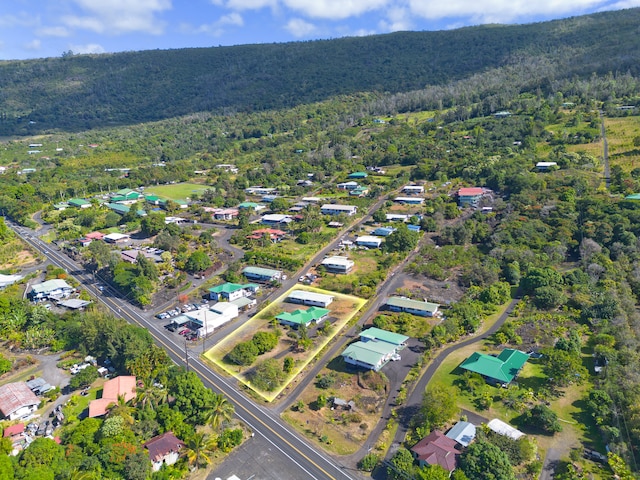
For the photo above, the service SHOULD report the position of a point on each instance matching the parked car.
(395, 357)
(184, 332)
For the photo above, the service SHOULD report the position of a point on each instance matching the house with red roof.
(436, 449)
(470, 196)
(122, 386)
(94, 236)
(13, 430)
(163, 449)
(275, 235)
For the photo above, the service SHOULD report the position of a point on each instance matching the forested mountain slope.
(77, 92)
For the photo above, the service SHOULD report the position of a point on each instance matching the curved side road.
(414, 401)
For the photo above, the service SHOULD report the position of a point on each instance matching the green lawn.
(177, 191)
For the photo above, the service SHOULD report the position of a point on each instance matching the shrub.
(368, 462)
(244, 353)
(265, 341)
(325, 382)
(229, 439)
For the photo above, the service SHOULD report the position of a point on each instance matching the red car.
(184, 332)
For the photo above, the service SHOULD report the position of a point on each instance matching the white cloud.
(217, 28)
(22, 19)
(335, 9)
(622, 4)
(34, 44)
(231, 19)
(88, 48)
(53, 32)
(299, 28)
(248, 4)
(329, 9)
(499, 10)
(398, 19)
(119, 16)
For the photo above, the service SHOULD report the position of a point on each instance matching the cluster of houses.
(19, 402)
(443, 449)
(121, 201)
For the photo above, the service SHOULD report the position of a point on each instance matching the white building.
(116, 238)
(17, 401)
(348, 185)
(413, 189)
(338, 264)
(369, 241)
(303, 297)
(276, 219)
(330, 209)
(396, 217)
(55, 288)
(207, 320)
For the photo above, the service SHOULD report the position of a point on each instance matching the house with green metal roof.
(126, 196)
(371, 355)
(415, 307)
(501, 369)
(303, 317)
(231, 291)
(633, 196)
(358, 175)
(374, 334)
(127, 192)
(152, 199)
(79, 203)
(122, 209)
(248, 205)
(262, 275)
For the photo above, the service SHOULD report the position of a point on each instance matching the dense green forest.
(80, 92)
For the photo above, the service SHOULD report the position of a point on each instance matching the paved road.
(302, 460)
(414, 401)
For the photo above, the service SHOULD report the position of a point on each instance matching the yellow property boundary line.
(261, 319)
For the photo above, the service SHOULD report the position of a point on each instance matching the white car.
(395, 357)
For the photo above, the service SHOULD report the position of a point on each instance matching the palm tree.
(121, 409)
(197, 450)
(220, 411)
(151, 396)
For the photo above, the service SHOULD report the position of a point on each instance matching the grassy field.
(177, 191)
(620, 135)
(343, 308)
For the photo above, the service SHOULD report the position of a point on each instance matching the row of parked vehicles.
(187, 307)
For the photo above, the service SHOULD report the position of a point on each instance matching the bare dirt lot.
(433, 290)
(341, 429)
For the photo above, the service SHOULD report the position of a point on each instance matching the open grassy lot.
(620, 135)
(343, 308)
(177, 191)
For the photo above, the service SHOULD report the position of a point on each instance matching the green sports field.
(177, 191)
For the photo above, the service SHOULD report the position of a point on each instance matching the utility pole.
(204, 339)
(186, 354)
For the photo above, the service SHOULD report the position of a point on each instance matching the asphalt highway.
(303, 460)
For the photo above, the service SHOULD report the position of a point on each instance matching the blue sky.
(47, 28)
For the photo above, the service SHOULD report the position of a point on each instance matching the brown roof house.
(436, 449)
(123, 385)
(17, 401)
(163, 449)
